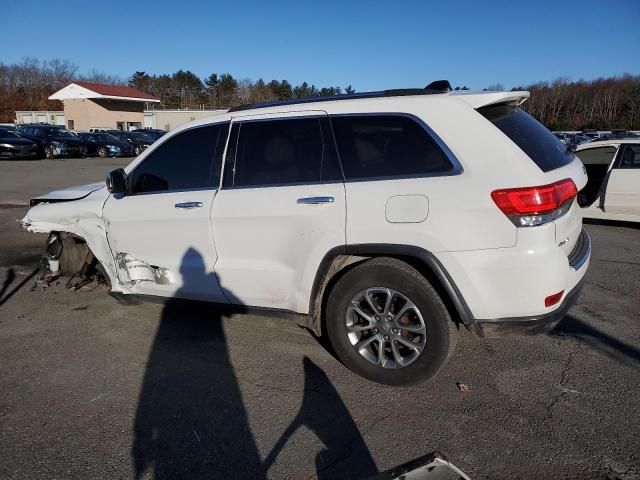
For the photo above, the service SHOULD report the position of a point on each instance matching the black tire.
(138, 150)
(48, 152)
(441, 333)
(102, 152)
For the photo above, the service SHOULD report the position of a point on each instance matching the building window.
(70, 125)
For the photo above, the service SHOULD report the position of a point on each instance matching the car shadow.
(191, 421)
(611, 223)
(603, 343)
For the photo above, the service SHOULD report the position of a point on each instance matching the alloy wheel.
(385, 327)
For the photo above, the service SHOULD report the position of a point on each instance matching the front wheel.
(387, 323)
(102, 152)
(48, 152)
(138, 150)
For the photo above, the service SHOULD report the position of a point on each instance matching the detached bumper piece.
(433, 466)
(503, 327)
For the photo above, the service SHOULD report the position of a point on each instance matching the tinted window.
(281, 152)
(630, 157)
(531, 136)
(387, 146)
(191, 159)
(597, 156)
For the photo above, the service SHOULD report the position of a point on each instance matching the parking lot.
(92, 388)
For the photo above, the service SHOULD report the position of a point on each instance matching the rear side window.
(189, 160)
(281, 152)
(597, 156)
(531, 136)
(383, 146)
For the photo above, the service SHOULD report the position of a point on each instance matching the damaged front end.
(77, 245)
(67, 255)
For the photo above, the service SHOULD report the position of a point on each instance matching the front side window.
(281, 152)
(383, 146)
(630, 157)
(188, 160)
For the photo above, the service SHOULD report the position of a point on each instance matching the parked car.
(155, 133)
(15, 146)
(563, 137)
(383, 220)
(54, 141)
(99, 129)
(138, 141)
(105, 145)
(618, 135)
(613, 189)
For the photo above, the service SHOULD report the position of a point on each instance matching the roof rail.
(439, 86)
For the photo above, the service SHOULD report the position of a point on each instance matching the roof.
(607, 143)
(77, 90)
(333, 98)
(475, 99)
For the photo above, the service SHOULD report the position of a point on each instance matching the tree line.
(184, 89)
(604, 103)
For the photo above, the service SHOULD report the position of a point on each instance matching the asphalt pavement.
(90, 388)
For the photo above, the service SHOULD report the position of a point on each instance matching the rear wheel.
(138, 150)
(102, 152)
(388, 324)
(48, 152)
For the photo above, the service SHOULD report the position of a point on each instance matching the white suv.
(386, 219)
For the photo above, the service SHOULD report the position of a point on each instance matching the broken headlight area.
(67, 255)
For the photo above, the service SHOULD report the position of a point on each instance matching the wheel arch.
(339, 260)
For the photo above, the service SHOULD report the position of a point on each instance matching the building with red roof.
(95, 105)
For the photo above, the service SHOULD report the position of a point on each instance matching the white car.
(385, 220)
(613, 189)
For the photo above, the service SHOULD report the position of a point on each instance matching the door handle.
(315, 200)
(188, 205)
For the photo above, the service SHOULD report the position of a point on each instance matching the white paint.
(259, 246)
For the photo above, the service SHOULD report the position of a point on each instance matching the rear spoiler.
(483, 99)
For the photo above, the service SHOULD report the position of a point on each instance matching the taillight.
(531, 206)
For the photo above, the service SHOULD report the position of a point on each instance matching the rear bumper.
(533, 325)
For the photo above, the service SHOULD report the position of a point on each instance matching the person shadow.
(322, 411)
(191, 421)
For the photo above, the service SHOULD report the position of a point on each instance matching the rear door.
(623, 188)
(280, 210)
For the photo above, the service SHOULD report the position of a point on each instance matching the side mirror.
(117, 181)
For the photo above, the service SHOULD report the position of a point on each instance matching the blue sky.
(370, 45)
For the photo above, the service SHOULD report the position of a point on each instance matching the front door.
(623, 187)
(280, 210)
(160, 232)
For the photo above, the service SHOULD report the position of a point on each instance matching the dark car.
(105, 145)
(54, 141)
(155, 133)
(13, 145)
(138, 139)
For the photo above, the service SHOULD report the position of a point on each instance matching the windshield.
(58, 132)
(145, 137)
(104, 137)
(533, 138)
(8, 133)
